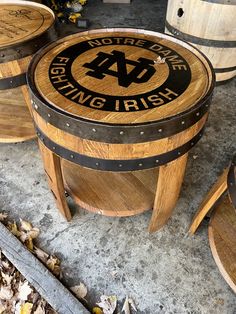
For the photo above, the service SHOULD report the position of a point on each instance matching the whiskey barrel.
(119, 101)
(24, 28)
(210, 26)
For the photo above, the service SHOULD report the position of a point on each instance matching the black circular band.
(118, 165)
(12, 82)
(198, 40)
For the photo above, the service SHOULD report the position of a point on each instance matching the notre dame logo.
(143, 68)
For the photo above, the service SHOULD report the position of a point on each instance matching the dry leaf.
(24, 291)
(53, 263)
(3, 216)
(7, 278)
(6, 293)
(29, 244)
(108, 304)
(43, 256)
(33, 233)
(14, 229)
(97, 310)
(25, 225)
(125, 307)
(39, 310)
(80, 291)
(26, 308)
(131, 302)
(2, 309)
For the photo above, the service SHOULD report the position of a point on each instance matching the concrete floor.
(166, 272)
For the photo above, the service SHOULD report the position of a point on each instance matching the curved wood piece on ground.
(222, 239)
(169, 183)
(213, 195)
(52, 167)
(110, 193)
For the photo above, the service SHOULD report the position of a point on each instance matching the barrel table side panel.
(190, 17)
(15, 120)
(117, 151)
(15, 67)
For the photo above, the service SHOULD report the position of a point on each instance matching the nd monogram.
(143, 68)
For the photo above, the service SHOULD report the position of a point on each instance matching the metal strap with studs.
(12, 82)
(231, 181)
(118, 165)
(119, 134)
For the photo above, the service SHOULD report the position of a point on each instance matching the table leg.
(52, 167)
(169, 183)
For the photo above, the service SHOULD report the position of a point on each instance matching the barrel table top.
(22, 20)
(121, 76)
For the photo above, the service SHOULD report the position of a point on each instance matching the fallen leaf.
(39, 310)
(108, 304)
(131, 302)
(97, 310)
(7, 278)
(43, 256)
(14, 229)
(6, 293)
(33, 233)
(125, 307)
(26, 308)
(3, 216)
(24, 290)
(80, 291)
(29, 244)
(25, 225)
(53, 263)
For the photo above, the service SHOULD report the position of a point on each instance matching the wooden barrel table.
(116, 112)
(24, 28)
(210, 26)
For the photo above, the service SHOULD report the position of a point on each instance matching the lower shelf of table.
(15, 120)
(111, 193)
(222, 239)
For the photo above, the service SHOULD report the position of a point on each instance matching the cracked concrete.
(166, 272)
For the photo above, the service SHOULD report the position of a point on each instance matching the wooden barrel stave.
(213, 35)
(117, 152)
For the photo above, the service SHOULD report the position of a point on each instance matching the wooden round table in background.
(24, 28)
(117, 111)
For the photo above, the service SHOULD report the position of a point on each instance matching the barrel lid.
(121, 76)
(22, 20)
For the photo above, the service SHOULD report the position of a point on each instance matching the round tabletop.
(22, 20)
(122, 76)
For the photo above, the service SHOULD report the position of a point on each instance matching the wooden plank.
(213, 195)
(222, 240)
(50, 288)
(169, 183)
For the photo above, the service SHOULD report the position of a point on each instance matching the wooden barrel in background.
(119, 101)
(210, 25)
(24, 28)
